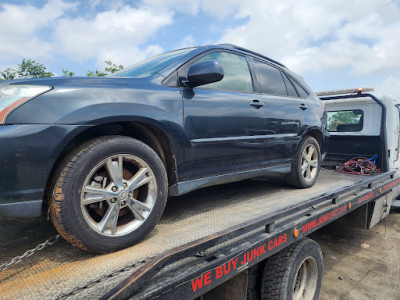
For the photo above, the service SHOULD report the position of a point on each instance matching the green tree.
(112, 68)
(29, 68)
(109, 69)
(8, 74)
(343, 117)
(67, 73)
(96, 73)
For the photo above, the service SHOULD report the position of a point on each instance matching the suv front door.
(223, 121)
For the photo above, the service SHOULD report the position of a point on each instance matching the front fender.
(86, 105)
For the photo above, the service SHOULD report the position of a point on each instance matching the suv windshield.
(152, 65)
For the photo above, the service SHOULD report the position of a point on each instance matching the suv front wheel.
(109, 194)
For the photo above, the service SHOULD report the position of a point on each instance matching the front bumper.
(28, 154)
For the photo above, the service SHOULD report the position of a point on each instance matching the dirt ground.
(361, 264)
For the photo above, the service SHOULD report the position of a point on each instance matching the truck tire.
(254, 282)
(306, 164)
(293, 273)
(108, 194)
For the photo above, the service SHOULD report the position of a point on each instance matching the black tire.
(254, 282)
(297, 177)
(283, 278)
(128, 221)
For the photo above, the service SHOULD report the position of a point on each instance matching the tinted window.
(345, 120)
(152, 65)
(291, 91)
(300, 90)
(271, 80)
(237, 75)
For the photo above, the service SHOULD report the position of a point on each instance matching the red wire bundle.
(359, 166)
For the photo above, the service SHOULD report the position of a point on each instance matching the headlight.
(13, 96)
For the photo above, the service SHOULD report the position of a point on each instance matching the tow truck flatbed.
(199, 233)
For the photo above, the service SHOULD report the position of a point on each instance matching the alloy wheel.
(309, 162)
(118, 195)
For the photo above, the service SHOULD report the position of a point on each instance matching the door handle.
(303, 106)
(256, 104)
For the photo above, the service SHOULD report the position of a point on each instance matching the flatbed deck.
(61, 271)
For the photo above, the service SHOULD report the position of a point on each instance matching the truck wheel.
(294, 273)
(110, 193)
(306, 164)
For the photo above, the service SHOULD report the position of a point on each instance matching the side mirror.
(204, 72)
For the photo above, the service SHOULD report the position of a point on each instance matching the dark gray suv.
(104, 153)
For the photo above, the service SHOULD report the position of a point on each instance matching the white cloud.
(314, 36)
(94, 3)
(308, 36)
(187, 41)
(127, 56)
(390, 86)
(183, 6)
(20, 24)
(118, 32)
(122, 33)
(26, 19)
(216, 8)
(221, 8)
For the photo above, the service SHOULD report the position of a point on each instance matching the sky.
(333, 44)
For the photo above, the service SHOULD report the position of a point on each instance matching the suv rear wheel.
(306, 164)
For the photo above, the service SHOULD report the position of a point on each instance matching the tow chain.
(102, 279)
(50, 241)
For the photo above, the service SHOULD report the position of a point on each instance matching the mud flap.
(396, 199)
(395, 205)
(233, 289)
(379, 209)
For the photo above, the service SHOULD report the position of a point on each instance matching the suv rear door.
(286, 110)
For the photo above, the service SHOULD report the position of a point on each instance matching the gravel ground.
(361, 264)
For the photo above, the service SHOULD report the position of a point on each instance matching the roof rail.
(345, 91)
(252, 52)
